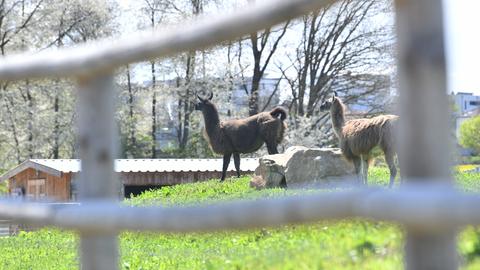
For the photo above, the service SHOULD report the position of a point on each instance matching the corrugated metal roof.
(153, 165)
(61, 165)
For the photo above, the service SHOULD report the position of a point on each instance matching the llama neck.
(337, 114)
(212, 120)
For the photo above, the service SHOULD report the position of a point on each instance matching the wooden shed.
(56, 179)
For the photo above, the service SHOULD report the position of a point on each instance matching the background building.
(466, 106)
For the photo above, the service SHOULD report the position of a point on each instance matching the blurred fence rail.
(435, 209)
(5, 227)
(430, 213)
(106, 55)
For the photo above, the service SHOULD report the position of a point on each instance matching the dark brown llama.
(238, 136)
(359, 136)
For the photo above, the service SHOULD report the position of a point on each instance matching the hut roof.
(58, 166)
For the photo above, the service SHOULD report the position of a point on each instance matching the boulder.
(270, 172)
(317, 166)
(301, 166)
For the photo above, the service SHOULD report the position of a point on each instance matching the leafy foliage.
(469, 133)
(3, 187)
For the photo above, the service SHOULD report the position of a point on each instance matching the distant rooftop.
(464, 93)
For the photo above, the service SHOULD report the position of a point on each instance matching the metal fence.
(428, 207)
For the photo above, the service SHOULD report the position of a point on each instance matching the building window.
(475, 103)
(36, 188)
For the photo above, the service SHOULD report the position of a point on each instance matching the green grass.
(3, 188)
(204, 192)
(352, 244)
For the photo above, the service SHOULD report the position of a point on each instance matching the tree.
(469, 133)
(186, 70)
(132, 107)
(335, 41)
(16, 20)
(64, 21)
(156, 11)
(70, 22)
(259, 43)
(339, 49)
(36, 117)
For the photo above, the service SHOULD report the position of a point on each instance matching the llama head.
(327, 104)
(203, 102)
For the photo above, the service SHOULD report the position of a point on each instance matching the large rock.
(271, 170)
(317, 166)
(301, 166)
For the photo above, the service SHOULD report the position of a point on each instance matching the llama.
(238, 136)
(358, 137)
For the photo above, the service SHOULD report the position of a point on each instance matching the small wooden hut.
(56, 179)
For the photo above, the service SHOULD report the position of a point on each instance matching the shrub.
(469, 133)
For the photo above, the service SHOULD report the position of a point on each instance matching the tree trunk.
(187, 108)
(154, 112)
(132, 136)
(253, 102)
(56, 125)
(154, 96)
(8, 106)
(257, 75)
(30, 120)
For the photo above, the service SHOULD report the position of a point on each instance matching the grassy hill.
(349, 244)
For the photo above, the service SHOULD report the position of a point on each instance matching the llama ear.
(335, 94)
(201, 99)
(211, 96)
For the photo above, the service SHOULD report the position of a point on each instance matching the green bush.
(4, 184)
(3, 188)
(470, 133)
(471, 159)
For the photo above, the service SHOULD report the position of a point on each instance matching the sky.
(462, 23)
(462, 37)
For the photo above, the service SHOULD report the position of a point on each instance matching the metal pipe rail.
(419, 207)
(106, 55)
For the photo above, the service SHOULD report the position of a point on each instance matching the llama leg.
(402, 181)
(389, 158)
(357, 163)
(361, 171)
(367, 165)
(272, 148)
(364, 169)
(226, 161)
(236, 160)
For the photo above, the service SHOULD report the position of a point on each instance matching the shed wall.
(57, 188)
(169, 178)
(60, 188)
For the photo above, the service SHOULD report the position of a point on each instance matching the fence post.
(96, 138)
(424, 121)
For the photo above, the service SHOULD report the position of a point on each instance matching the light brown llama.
(358, 137)
(245, 135)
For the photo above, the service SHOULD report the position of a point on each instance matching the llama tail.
(281, 132)
(279, 111)
(276, 112)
